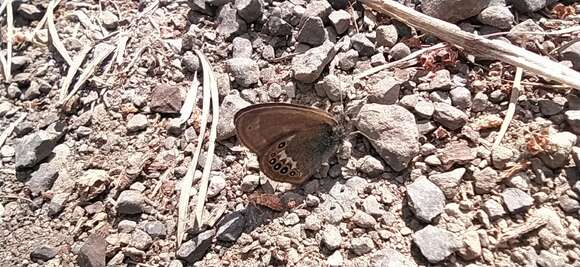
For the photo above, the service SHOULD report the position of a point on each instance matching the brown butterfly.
(291, 141)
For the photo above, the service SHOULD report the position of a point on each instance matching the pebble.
(43, 178)
(387, 35)
(391, 258)
(568, 204)
(249, 10)
(43, 253)
(362, 245)
(250, 182)
(561, 144)
(516, 200)
(386, 91)
(245, 71)
(485, 180)
(372, 206)
(110, 20)
(308, 66)
(426, 199)
(461, 97)
(216, 184)
(165, 99)
(35, 147)
(399, 51)
(362, 44)
(126, 226)
(331, 237)
(371, 166)
(364, 220)
(130, 202)
(448, 182)
(312, 222)
(335, 259)
(435, 244)
(140, 240)
(312, 32)
(195, 249)
(155, 229)
(493, 209)
(449, 116)
(500, 156)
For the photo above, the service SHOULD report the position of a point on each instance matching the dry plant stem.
(90, 69)
(9, 37)
(519, 230)
(10, 129)
(478, 45)
(3, 6)
(516, 88)
(56, 42)
(72, 71)
(558, 32)
(45, 17)
(190, 100)
(409, 60)
(210, 87)
(16, 197)
(185, 186)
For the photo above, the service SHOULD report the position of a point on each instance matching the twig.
(90, 69)
(72, 71)
(517, 86)
(9, 39)
(190, 99)
(519, 230)
(17, 197)
(10, 129)
(56, 42)
(478, 45)
(45, 17)
(162, 179)
(209, 84)
(406, 61)
(558, 32)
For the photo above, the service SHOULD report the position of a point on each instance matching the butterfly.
(291, 141)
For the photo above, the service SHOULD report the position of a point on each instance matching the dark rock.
(130, 202)
(231, 226)
(194, 249)
(362, 44)
(453, 11)
(33, 148)
(312, 32)
(43, 253)
(166, 98)
(229, 24)
(249, 10)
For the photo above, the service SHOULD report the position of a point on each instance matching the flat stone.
(426, 199)
(516, 200)
(308, 66)
(449, 116)
(386, 91)
(485, 180)
(493, 209)
(33, 148)
(231, 226)
(137, 123)
(195, 249)
(331, 237)
(166, 99)
(362, 245)
(130, 202)
(43, 253)
(245, 71)
(448, 182)
(435, 244)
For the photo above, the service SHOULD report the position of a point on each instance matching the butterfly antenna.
(361, 133)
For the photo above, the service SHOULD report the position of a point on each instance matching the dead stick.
(478, 45)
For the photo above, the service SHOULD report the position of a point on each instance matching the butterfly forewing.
(291, 141)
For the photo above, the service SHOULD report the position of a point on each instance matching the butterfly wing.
(258, 126)
(297, 155)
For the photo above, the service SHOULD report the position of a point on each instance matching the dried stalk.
(10, 129)
(56, 42)
(516, 88)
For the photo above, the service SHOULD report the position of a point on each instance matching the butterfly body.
(291, 141)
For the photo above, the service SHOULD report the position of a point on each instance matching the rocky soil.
(90, 174)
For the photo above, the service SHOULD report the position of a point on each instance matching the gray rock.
(573, 119)
(399, 51)
(424, 108)
(386, 91)
(312, 222)
(497, 96)
(308, 66)
(231, 226)
(526, 6)
(461, 97)
(453, 11)
(318, 8)
(29, 11)
(312, 32)
(435, 244)
(550, 107)
(364, 220)
(448, 182)
(57, 203)
(526, 26)
(480, 102)
(20, 62)
(42, 179)
(216, 184)
(331, 237)
(391, 258)
(441, 80)
(130, 202)
(229, 24)
(572, 54)
(378, 59)
(498, 16)
(245, 71)
(230, 105)
(241, 47)
(335, 260)
(126, 226)
(110, 20)
(516, 200)
(393, 133)
(278, 27)
(348, 60)
(372, 206)
(362, 44)
(190, 62)
(155, 229)
(426, 199)
(137, 123)
(166, 99)
(501, 156)
(140, 240)
(409, 101)
(362, 245)
(341, 20)
(35, 147)
(249, 10)
(371, 166)
(548, 259)
(560, 149)
(387, 35)
(485, 180)
(568, 204)
(193, 250)
(333, 87)
(250, 182)
(449, 116)
(43, 253)
(493, 209)
(440, 97)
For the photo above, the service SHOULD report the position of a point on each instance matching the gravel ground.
(90, 173)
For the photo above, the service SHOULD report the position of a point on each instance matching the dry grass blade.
(411, 59)
(190, 99)
(8, 131)
(90, 69)
(478, 45)
(9, 39)
(185, 186)
(45, 17)
(516, 88)
(209, 84)
(3, 6)
(72, 71)
(121, 46)
(53, 34)
(17, 198)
